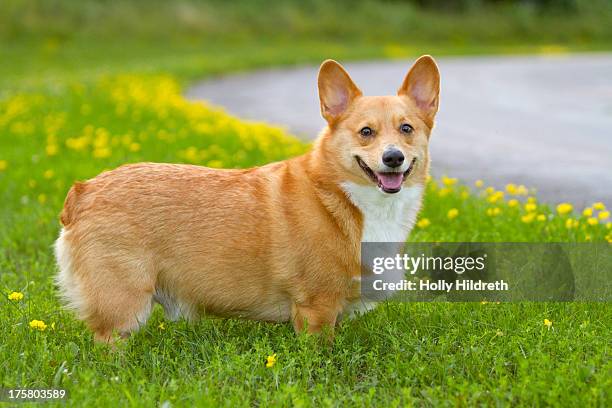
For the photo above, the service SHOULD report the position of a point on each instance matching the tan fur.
(278, 242)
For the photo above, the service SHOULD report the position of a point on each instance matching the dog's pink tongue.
(390, 181)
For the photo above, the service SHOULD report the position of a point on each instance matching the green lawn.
(72, 107)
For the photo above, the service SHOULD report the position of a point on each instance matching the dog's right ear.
(336, 90)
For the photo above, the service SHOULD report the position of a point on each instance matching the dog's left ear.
(336, 90)
(422, 85)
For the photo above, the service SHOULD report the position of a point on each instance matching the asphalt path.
(541, 121)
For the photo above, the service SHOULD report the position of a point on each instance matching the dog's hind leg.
(110, 289)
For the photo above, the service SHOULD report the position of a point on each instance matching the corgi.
(276, 243)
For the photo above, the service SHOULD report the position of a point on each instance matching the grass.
(74, 103)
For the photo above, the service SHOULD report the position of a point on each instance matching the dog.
(276, 243)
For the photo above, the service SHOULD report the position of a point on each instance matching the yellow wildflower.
(492, 212)
(599, 206)
(592, 221)
(48, 174)
(530, 207)
(42, 198)
(51, 150)
(513, 203)
(444, 192)
(465, 195)
(603, 215)
(609, 238)
(38, 325)
(541, 217)
(531, 200)
(15, 296)
(564, 208)
(570, 223)
(588, 212)
(424, 223)
(134, 147)
(547, 323)
(449, 181)
(496, 196)
(161, 326)
(521, 190)
(479, 183)
(3, 165)
(489, 190)
(271, 360)
(609, 225)
(511, 189)
(452, 213)
(527, 218)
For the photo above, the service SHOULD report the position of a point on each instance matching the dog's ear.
(336, 90)
(422, 85)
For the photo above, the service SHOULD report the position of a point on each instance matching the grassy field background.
(88, 86)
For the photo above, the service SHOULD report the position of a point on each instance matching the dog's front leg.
(316, 316)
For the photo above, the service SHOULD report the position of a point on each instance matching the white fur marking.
(386, 218)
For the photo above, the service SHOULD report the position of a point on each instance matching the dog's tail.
(71, 205)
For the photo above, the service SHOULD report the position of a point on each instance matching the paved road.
(545, 122)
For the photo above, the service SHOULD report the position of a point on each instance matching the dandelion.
(449, 181)
(51, 150)
(588, 212)
(521, 190)
(271, 360)
(592, 221)
(513, 203)
(134, 147)
(570, 223)
(530, 207)
(496, 196)
(48, 174)
(609, 225)
(38, 325)
(564, 208)
(603, 215)
(609, 238)
(15, 296)
(3, 165)
(541, 217)
(548, 323)
(489, 190)
(531, 200)
(452, 213)
(511, 189)
(599, 206)
(444, 192)
(492, 212)
(479, 183)
(424, 223)
(527, 218)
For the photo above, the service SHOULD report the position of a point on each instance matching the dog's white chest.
(386, 217)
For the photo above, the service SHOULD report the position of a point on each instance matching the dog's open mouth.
(389, 182)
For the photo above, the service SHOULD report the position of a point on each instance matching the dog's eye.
(366, 131)
(406, 128)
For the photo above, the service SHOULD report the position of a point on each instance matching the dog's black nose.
(393, 158)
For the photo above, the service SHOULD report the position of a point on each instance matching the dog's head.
(380, 140)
